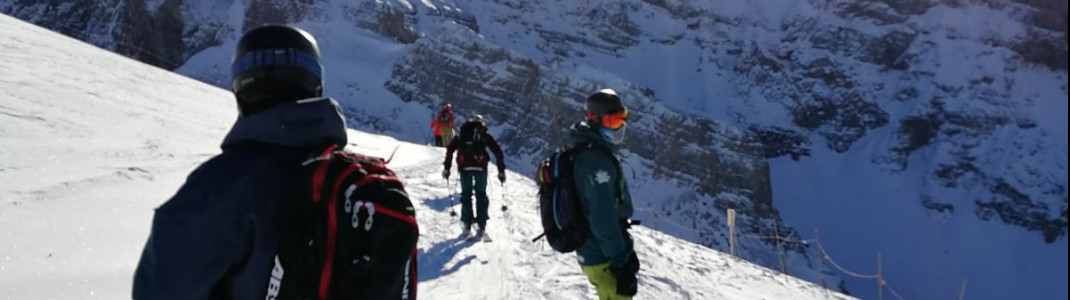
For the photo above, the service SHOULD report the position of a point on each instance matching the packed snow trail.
(512, 267)
(91, 142)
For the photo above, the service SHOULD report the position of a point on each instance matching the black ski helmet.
(275, 64)
(602, 102)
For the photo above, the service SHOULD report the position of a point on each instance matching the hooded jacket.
(603, 191)
(216, 237)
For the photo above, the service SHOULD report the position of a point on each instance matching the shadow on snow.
(441, 204)
(432, 262)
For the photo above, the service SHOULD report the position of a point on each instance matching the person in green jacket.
(607, 257)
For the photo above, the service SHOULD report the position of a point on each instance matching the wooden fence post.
(779, 251)
(732, 232)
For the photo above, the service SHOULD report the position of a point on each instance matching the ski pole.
(504, 207)
(450, 188)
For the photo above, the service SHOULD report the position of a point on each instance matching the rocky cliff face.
(161, 33)
(836, 69)
(166, 33)
(749, 81)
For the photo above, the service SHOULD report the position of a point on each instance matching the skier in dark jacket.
(608, 256)
(472, 159)
(216, 237)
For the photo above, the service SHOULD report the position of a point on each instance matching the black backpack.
(471, 137)
(564, 220)
(353, 236)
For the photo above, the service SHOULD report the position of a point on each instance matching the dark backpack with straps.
(564, 222)
(564, 218)
(352, 236)
(472, 148)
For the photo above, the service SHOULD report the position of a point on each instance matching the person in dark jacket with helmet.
(608, 256)
(472, 159)
(216, 238)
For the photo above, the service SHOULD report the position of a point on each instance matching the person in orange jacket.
(442, 126)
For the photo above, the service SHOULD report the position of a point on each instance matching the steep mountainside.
(966, 96)
(88, 151)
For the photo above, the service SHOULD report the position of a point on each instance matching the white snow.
(91, 142)
(103, 149)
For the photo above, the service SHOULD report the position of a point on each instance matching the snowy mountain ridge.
(89, 151)
(951, 111)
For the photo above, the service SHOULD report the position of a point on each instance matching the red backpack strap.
(321, 171)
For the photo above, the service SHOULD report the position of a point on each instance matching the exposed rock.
(939, 207)
(76, 19)
(1049, 14)
(777, 142)
(1044, 49)
(842, 116)
(384, 19)
(878, 11)
(155, 38)
(160, 37)
(274, 12)
(915, 132)
(1014, 207)
(882, 12)
(887, 50)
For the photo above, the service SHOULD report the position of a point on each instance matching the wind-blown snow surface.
(91, 142)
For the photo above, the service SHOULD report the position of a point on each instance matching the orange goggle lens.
(615, 120)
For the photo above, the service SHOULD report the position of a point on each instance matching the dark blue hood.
(309, 123)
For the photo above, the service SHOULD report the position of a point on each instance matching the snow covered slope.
(91, 142)
(931, 131)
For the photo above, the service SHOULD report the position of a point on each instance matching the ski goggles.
(276, 57)
(614, 120)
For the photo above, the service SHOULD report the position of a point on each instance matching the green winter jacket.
(604, 194)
